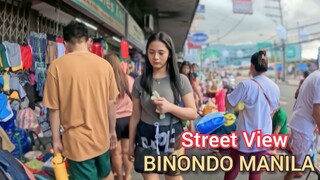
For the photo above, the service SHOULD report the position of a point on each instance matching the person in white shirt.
(261, 97)
(305, 119)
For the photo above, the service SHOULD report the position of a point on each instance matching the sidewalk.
(292, 82)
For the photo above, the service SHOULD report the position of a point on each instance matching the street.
(287, 101)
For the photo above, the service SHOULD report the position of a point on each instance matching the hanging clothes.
(40, 77)
(26, 56)
(38, 42)
(6, 80)
(52, 49)
(5, 109)
(15, 85)
(4, 57)
(24, 79)
(14, 54)
(39, 48)
(60, 46)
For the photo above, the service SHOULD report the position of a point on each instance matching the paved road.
(287, 100)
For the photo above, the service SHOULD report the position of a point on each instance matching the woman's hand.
(162, 105)
(131, 153)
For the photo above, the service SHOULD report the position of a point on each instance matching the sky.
(220, 21)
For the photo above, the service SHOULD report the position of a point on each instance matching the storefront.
(31, 38)
(109, 15)
(136, 38)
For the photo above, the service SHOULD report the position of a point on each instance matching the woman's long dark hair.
(172, 67)
(119, 74)
(189, 75)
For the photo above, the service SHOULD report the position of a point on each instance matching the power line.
(307, 25)
(230, 31)
(271, 37)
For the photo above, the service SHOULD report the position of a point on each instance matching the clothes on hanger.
(4, 57)
(26, 56)
(60, 46)
(52, 51)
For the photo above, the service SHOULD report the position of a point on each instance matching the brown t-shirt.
(80, 85)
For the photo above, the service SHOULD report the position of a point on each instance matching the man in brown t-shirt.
(80, 92)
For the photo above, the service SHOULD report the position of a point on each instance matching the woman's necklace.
(157, 81)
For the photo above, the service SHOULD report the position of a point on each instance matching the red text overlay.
(255, 139)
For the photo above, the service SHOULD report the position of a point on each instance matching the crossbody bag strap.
(260, 87)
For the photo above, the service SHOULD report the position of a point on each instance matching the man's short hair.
(75, 32)
(260, 61)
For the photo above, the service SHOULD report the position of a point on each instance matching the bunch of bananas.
(154, 96)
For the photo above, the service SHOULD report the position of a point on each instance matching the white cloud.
(258, 27)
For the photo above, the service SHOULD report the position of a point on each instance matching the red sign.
(124, 49)
(191, 45)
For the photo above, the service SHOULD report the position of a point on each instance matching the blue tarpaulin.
(279, 67)
(302, 67)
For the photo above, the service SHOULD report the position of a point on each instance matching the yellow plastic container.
(230, 119)
(240, 106)
(59, 167)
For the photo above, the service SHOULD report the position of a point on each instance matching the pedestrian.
(279, 122)
(131, 71)
(119, 156)
(279, 125)
(305, 75)
(80, 93)
(185, 69)
(305, 120)
(261, 97)
(160, 74)
(196, 81)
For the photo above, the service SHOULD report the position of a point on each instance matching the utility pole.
(299, 34)
(283, 43)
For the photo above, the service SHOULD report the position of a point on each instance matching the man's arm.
(228, 105)
(235, 97)
(316, 114)
(277, 129)
(112, 123)
(280, 118)
(54, 116)
(112, 115)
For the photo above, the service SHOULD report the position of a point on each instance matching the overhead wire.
(230, 31)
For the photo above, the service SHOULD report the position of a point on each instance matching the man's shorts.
(301, 145)
(91, 169)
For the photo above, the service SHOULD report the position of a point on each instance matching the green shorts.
(95, 168)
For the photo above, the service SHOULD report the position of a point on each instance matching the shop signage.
(108, 11)
(135, 34)
(242, 7)
(201, 8)
(191, 45)
(293, 52)
(199, 38)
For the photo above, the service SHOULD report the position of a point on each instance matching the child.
(279, 122)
